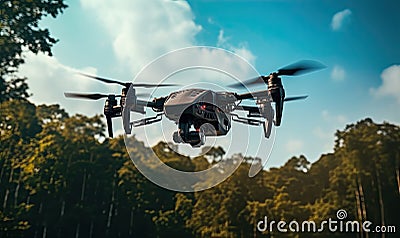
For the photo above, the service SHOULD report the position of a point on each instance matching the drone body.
(199, 112)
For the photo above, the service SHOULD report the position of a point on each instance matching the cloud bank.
(241, 50)
(138, 31)
(338, 73)
(142, 30)
(390, 83)
(48, 79)
(339, 19)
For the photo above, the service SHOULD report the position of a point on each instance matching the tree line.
(58, 180)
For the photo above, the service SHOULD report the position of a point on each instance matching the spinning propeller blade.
(248, 83)
(298, 68)
(92, 96)
(97, 96)
(127, 84)
(104, 79)
(295, 98)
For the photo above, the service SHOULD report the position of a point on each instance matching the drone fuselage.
(199, 113)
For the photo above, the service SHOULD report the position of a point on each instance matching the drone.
(199, 113)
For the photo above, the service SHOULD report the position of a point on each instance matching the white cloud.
(325, 131)
(139, 30)
(338, 73)
(244, 52)
(142, 30)
(334, 119)
(241, 50)
(322, 134)
(221, 38)
(390, 83)
(339, 19)
(294, 146)
(326, 137)
(48, 79)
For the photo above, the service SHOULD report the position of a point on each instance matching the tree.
(213, 152)
(20, 31)
(370, 150)
(18, 127)
(57, 179)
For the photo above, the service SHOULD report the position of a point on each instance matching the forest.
(57, 179)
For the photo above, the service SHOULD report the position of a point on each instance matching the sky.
(358, 41)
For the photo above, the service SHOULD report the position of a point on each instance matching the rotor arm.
(157, 104)
(252, 95)
(145, 103)
(247, 121)
(147, 121)
(252, 111)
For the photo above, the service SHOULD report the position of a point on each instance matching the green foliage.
(58, 180)
(19, 32)
(18, 127)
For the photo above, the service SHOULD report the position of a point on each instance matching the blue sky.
(358, 41)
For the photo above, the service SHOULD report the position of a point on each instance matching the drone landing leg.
(183, 130)
(109, 126)
(278, 96)
(278, 110)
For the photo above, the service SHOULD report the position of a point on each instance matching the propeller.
(92, 96)
(295, 98)
(127, 84)
(97, 96)
(254, 95)
(298, 68)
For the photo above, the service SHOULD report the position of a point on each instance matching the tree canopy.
(58, 180)
(20, 32)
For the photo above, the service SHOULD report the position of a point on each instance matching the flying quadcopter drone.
(201, 112)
